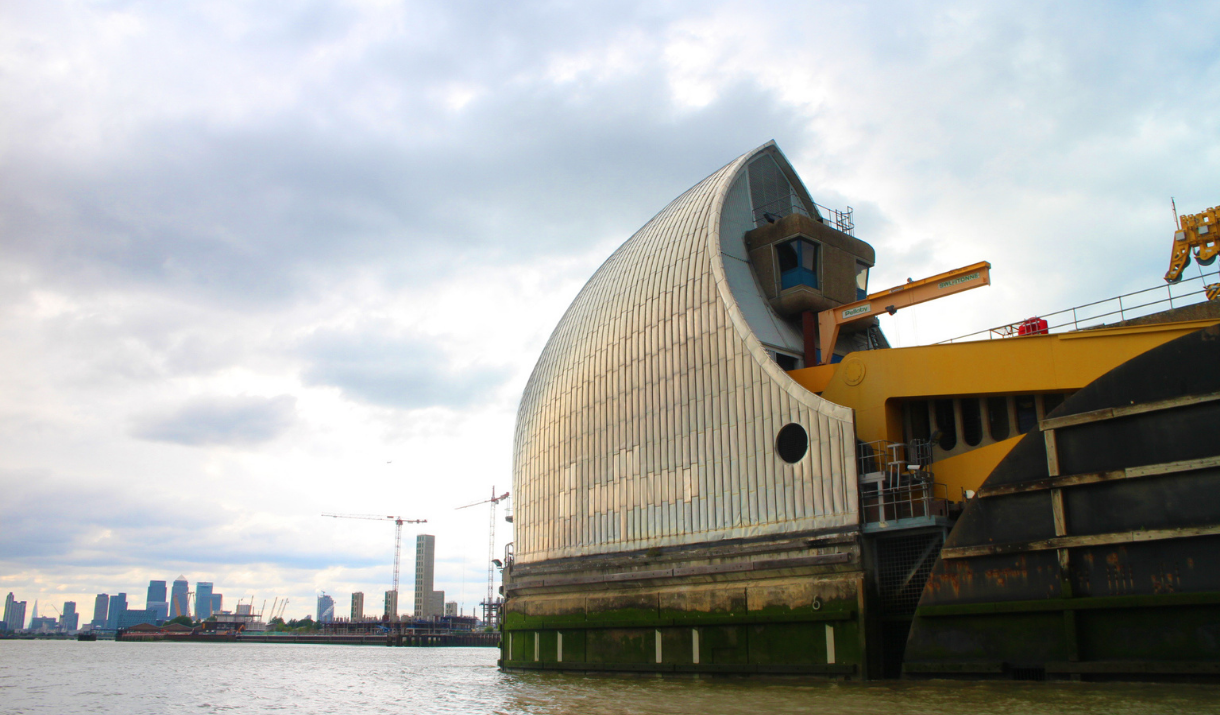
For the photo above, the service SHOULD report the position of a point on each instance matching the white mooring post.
(694, 645)
(559, 648)
(658, 646)
(830, 643)
(537, 639)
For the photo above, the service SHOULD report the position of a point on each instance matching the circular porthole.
(792, 442)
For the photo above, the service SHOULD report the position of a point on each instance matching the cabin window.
(972, 421)
(997, 417)
(798, 263)
(946, 424)
(861, 281)
(1050, 402)
(786, 362)
(1027, 413)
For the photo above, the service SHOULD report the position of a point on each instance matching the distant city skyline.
(164, 601)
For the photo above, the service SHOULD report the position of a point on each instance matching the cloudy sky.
(260, 261)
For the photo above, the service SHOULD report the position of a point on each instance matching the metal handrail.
(1075, 323)
(792, 203)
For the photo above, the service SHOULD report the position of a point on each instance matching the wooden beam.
(1088, 603)
(1058, 512)
(1072, 542)
(1110, 413)
(1076, 480)
(1052, 452)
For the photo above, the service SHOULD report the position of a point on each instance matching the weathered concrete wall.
(789, 608)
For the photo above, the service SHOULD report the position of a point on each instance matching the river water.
(135, 678)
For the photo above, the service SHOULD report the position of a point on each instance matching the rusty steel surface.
(1047, 569)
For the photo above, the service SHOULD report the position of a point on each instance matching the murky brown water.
(108, 677)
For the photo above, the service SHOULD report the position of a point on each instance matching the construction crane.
(491, 548)
(889, 301)
(1200, 232)
(398, 522)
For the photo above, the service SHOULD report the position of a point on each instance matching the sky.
(264, 261)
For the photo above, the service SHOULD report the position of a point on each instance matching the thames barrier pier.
(722, 466)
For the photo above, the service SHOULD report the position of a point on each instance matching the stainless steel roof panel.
(649, 419)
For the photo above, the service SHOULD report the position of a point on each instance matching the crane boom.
(889, 301)
(373, 517)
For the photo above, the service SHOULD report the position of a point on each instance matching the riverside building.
(720, 465)
(428, 603)
(203, 600)
(156, 600)
(101, 609)
(179, 601)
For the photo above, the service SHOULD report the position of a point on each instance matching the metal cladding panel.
(650, 419)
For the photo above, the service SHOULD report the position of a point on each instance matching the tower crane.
(491, 549)
(398, 522)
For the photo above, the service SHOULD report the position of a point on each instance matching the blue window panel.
(798, 277)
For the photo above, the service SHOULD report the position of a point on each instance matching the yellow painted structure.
(967, 471)
(873, 383)
(889, 301)
(1199, 231)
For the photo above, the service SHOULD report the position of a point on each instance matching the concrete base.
(793, 605)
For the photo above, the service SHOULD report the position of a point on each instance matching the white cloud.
(262, 261)
(243, 421)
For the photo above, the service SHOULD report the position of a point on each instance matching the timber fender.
(1093, 549)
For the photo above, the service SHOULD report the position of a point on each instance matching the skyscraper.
(14, 613)
(391, 605)
(203, 599)
(16, 619)
(156, 600)
(179, 602)
(101, 607)
(118, 607)
(218, 602)
(326, 609)
(425, 555)
(69, 620)
(357, 605)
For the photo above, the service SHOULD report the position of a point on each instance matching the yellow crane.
(889, 301)
(1200, 232)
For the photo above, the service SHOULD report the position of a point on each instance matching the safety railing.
(792, 204)
(895, 484)
(1094, 315)
(905, 502)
